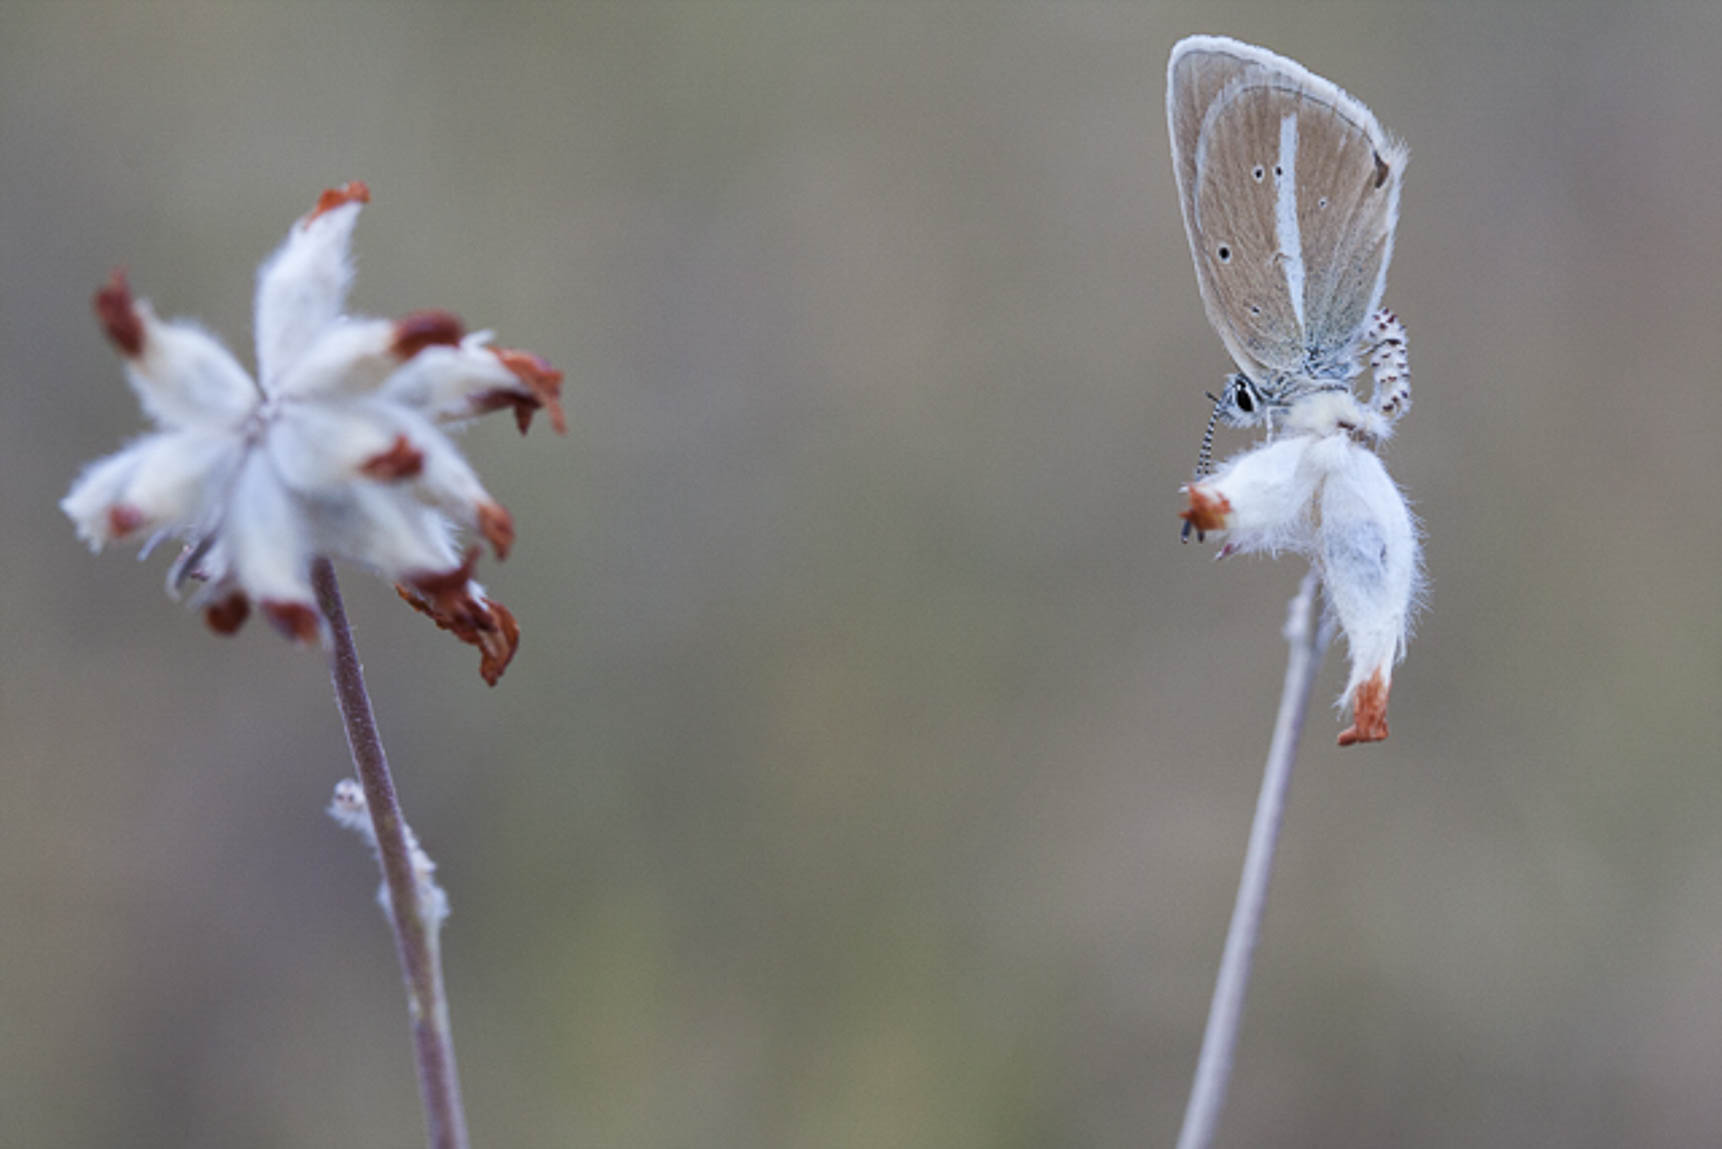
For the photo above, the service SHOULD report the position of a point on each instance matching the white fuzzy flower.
(1324, 494)
(335, 450)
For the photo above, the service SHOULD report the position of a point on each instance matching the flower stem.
(1308, 641)
(415, 929)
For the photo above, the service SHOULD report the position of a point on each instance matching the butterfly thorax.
(1304, 405)
(1333, 410)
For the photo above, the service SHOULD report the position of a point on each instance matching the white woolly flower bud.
(1262, 499)
(1368, 557)
(1327, 497)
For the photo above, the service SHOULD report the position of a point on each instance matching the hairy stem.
(1308, 640)
(415, 929)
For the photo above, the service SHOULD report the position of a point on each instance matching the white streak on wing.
(1285, 217)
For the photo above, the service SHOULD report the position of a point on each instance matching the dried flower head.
(336, 449)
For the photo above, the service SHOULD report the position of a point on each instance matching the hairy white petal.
(1268, 493)
(184, 377)
(180, 486)
(387, 529)
(448, 480)
(302, 288)
(317, 447)
(264, 536)
(443, 381)
(98, 488)
(1368, 555)
(171, 482)
(348, 357)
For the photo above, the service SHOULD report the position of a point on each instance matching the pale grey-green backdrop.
(876, 767)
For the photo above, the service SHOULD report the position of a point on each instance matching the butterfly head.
(1242, 404)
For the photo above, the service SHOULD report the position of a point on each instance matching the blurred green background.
(876, 767)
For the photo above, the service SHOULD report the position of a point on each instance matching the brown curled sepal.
(448, 599)
(543, 389)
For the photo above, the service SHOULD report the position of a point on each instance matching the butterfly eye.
(1241, 396)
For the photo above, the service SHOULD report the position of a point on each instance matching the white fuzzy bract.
(337, 449)
(349, 807)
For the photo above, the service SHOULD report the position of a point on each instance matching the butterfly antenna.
(1205, 460)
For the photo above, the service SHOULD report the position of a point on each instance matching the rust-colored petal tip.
(497, 527)
(429, 328)
(1368, 713)
(544, 383)
(228, 615)
(401, 461)
(355, 191)
(295, 620)
(119, 316)
(123, 519)
(1206, 512)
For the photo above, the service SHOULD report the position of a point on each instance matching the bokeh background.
(877, 766)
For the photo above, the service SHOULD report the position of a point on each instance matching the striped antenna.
(1205, 461)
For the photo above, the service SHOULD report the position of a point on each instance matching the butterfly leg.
(1390, 364)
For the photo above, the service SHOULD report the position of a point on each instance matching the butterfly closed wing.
(1290, 193)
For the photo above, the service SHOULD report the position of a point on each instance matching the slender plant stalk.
(415, 930)
(1308, 640)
